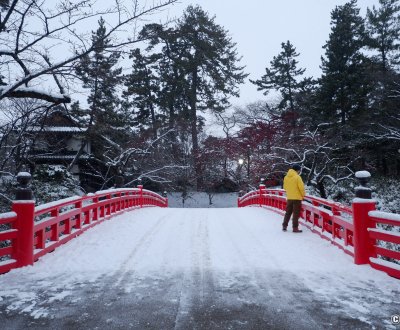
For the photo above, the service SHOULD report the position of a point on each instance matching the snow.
(58, 129)
(242, 252)
(28, 201)
(22, 174)
(363, 200)
(56, 203)
(383, 231)
(385, 215)
(7, 215)
(361, 188)
(6, 262)
(42, 91)
(385, 263)
(363, 174)
(59, 156)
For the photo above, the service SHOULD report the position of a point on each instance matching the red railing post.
(140, 195)
(165, 195)
(24, 207)
(95, 202)
(362, 204)
(78, 222)
(261, 191)
(361, 222)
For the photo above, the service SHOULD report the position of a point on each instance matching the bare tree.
(44, 39)
(321, 160)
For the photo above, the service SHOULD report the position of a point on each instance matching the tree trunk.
(152, 111)
(193, 124)
(321, 189)
(173, 134)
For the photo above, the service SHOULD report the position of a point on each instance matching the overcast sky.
(260, 26)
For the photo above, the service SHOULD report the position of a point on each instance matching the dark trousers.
(292, 207)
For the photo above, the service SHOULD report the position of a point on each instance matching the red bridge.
(168, 268)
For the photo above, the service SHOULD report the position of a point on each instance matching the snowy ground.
(199, 268)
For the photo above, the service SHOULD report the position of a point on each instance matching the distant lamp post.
(248, 161)
(239, 169)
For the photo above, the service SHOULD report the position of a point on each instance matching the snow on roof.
(59, 156)
(58, 129)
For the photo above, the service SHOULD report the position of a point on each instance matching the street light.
(239, 172)
(248, 161)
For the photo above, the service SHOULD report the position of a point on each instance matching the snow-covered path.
(197, 269)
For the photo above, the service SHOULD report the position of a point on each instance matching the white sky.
(260, 26)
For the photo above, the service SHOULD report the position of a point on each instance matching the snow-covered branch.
(62, 29)
(156, 178)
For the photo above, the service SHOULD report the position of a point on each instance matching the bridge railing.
(31, 232)
(359, 230)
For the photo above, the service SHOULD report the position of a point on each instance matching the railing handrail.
(47, 226)
(44, 208)
(337, 223)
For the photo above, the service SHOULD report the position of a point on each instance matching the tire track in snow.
(142, 244)
(197, 281)
(255, 287)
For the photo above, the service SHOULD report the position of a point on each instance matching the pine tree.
(103, 120)
(212, 73)
(383, 27)
(384, 32)
(282, 76)
(157, 86)
(198, 71)
(344, 86)
(98, 75)
(143, 86)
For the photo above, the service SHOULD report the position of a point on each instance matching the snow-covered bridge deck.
(197, 268)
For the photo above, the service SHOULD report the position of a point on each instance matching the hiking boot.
(297, 230)
(284, 229)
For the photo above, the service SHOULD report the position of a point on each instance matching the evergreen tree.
(384, 37)
(104, 122)
(210, 61)
(98, 75)
(160, 77)
(143, 85)
(198, 71)
(344, 87)
(282, 76)
(383, 25)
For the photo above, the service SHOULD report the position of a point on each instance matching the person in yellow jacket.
(294, 187)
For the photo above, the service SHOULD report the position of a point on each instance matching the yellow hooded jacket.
(293, 185)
